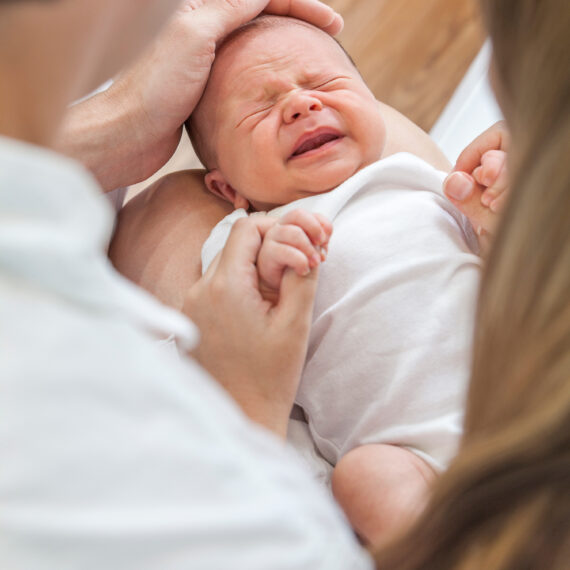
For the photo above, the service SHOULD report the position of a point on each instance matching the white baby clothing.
(389, 350)
(113, 454)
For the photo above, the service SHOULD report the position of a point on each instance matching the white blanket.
(389, 349)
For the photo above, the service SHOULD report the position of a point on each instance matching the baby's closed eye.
(256, 115)
(332, 83)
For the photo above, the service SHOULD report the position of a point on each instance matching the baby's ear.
(217, 184)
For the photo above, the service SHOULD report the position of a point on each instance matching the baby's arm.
(381, 489)
(402, 135)
(297, 241)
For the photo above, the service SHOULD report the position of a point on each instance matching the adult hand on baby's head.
(255, 349)
(479, 184)
(162, 88)
(313, 11)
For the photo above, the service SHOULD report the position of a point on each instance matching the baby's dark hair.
(263, 22)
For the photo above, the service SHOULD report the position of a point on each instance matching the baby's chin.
(333, 176)
(311, 182)
(286, 197)
(293, 194)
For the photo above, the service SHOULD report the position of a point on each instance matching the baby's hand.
(299, 241)
(479, 184)
(491, 175)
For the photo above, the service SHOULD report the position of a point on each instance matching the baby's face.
(289, 116)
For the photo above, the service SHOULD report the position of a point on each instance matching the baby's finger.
(498, 203)
(294, 236)
(288, 256)
(492, 163)
(326, 224)
(310, 224)
(486, 174)
(478, 175)
(499, 186)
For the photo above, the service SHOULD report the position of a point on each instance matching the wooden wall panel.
(412, 53)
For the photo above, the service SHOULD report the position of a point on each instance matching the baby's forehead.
(268, 39)
(274, 25)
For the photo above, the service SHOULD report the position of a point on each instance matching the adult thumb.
(465, 194)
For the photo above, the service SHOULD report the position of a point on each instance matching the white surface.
(115, 455)
(390, 343)
(472, 109)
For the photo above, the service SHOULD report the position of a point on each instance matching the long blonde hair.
(504, 503)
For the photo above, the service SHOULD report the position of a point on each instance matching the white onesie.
(390, 344)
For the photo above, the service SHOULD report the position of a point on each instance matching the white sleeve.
(115, 456)
(218, 237)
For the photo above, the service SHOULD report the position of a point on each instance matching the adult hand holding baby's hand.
(297, 241)
(254, 348)
(479, 184)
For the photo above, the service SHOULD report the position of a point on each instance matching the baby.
(287, 125)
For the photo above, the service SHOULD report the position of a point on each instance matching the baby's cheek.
(375, 133)
(246, 163)
(366, 127)
(264, 181)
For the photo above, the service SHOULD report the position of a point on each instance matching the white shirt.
(390, 346)
(112, 455)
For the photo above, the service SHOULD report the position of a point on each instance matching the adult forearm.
(101, 133)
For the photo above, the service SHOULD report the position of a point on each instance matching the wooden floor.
(412, 54)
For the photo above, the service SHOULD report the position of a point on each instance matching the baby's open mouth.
(314, 141)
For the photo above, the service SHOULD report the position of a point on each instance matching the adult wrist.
(130, 148)
(93, 133)
(106, 134)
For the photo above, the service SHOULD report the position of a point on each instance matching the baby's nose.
(300, 104)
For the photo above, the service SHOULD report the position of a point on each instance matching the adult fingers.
(244, 241)
(498, 203)
(494, 138)
(459, 186)
(312, 11)
(232, 13)
(464, 193)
